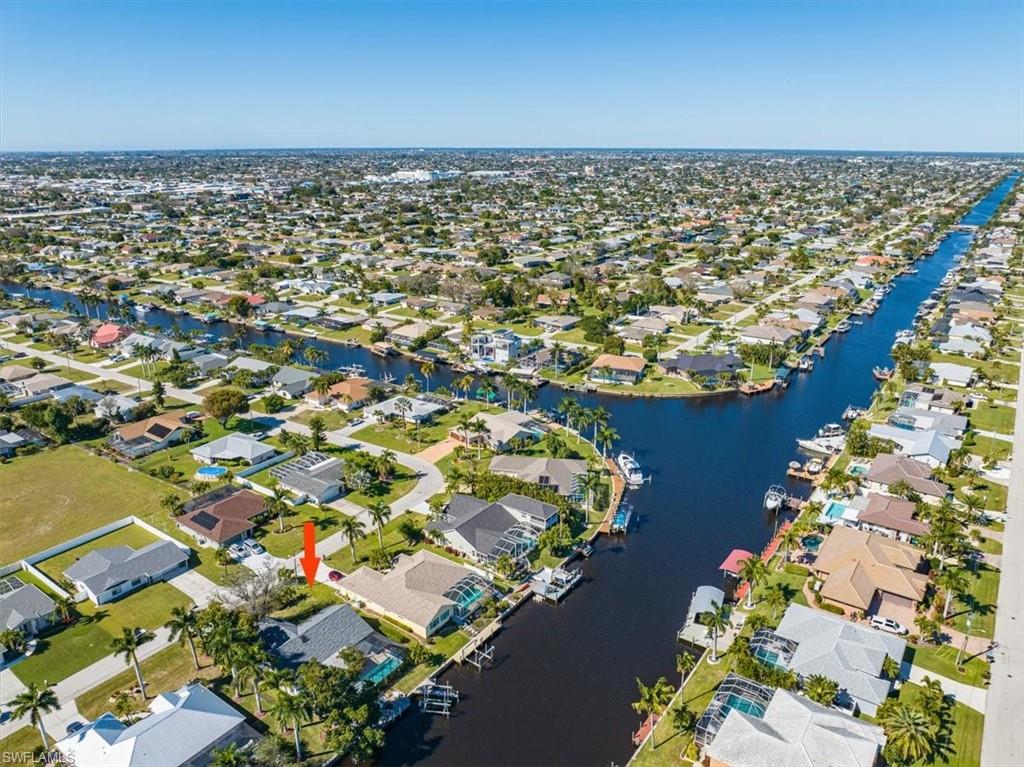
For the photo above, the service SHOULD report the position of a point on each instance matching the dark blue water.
(561, 687)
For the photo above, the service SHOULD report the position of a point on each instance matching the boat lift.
(481, 656)
(438, 699)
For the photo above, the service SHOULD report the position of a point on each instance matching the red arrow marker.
(310, 561)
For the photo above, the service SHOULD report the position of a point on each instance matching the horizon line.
(509, 148)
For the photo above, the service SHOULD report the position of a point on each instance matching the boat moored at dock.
(630, 468)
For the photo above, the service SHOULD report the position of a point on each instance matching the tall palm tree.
(589, 482)
(569, 408)
(465, 422)
(427, 368)
(251, 668)
(910, 733)
(380, 513)
(314, 355)
(35, 701)
(599, 418)
(464, 384)
(717, 620)
(289, 708)
(131, 639)
(480, 428)
(184, 626)
(953, 582)
(277, 504)
(556, 352)
(754, 571)
(353, 530)
(584, 418)
(685, 663)
(788, 540)
(384, 463)
(606, 438)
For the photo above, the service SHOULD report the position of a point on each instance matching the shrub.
(834, 609)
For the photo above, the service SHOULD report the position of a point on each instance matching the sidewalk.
(1003, 741)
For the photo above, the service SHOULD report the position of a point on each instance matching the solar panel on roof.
(159, 430)
(10, 585)
(205, 520)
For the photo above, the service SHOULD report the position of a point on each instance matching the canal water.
(560, 689)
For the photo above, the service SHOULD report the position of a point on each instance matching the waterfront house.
(234, 448)
(149, 435)
(24, 607)
(563, 475)
(502, 430)
(104, 575)
(925, 445)
(884, 514)
(767, 335)
(484, 531)
(923, 397)
(422, 591)
(817, 642)
(315, 476)
(182, 729)
(324, 636)
(407, 335)
(500, 346)
(412, 409)
(790, 730)
(954, 375)
(887, 470)
(710, 368)
(617, 369)
(871, 574)
(223, 516)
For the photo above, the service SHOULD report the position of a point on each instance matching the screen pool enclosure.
(771, 649)
(467, 594)
(735, 693)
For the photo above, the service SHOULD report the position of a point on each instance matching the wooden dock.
(477, 641)
(618, 489)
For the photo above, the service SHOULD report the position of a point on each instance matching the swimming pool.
(382, 670)
(811, 542)
(211, 472)
(768, 657)
(834, 509)
(743, 705)
(857, 470)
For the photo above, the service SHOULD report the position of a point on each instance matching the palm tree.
(252, 667)
(380, 513)
(353, 530)
(953, 582)
(569, 408)
(599, 418)
(290, 708)
(465, 422)
(684, 720)
(584, 417)
(754, 571)
(464, 384)
(774, 597)
(314, 355)
(130, 640)
(653, 700)
(606, 438)
(230, 756)
(589, 482)
(821, 689)
(184, 626)
(717, 620)
(171, 503)
(556, 352)
(910, 734)
(277, 504)
(385, 464)
(480, 428)
(427, 368)
(789, 539)
(33, 702)
(488, 389)
(684, 665)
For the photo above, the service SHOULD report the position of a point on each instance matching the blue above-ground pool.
(211, 472)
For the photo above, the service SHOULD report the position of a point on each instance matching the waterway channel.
(560, 689)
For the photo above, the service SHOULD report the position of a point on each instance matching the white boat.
(842, 326)
(775, 497)
(822, 445)
(630, 469)
(830, 430)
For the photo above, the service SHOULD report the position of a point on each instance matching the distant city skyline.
(785, 76)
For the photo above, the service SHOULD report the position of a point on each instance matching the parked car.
(252, 547)
(889, 625)
(237, 551)
(356, 421)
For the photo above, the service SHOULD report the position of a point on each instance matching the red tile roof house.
(108, 334)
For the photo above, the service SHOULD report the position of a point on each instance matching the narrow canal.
(561, 687)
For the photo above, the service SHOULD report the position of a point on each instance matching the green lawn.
(412, 439)
(965, 739)
(990, 448)
(395, 541)
(941, 660)
(981, 599)
(23, 741)
(333, 419)
(989, 417)
(286, 544)
(84, 642)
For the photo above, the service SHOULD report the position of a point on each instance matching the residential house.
(500, 346)
(767, 335)
(894, 517)
(954, 375)
(711, 368)
(223, 516)
(325, 635)
(350, 394)
(563, 475)
(925, 445)
(292, 382)
(315, 476)
(871, 574)
(135, 440)
(616, 368)
(24, 607)
(183, 729)
(887, 470)
(502, 430)
(485, 532)
(107, 335)
(106, 574)
(423, 591)
(412, 409)
(233, 448)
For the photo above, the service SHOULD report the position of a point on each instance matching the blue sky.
(872, 75)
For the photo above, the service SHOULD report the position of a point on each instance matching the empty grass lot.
(57, 494)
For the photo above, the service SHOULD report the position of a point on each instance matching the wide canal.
(560, 689)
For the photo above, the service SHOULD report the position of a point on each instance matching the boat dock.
(552, 584)
(618, 489)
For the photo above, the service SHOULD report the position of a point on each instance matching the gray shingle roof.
(27, 602)
(102, 569)
(322, 637)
